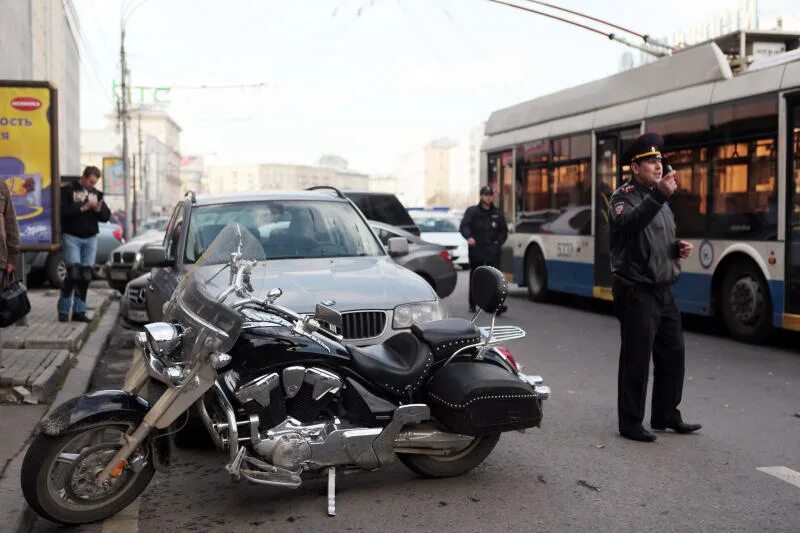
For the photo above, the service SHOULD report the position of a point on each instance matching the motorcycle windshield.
(202, 303)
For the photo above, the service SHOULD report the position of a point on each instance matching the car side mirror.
(398, 246)
(156, 256)
(329, 315)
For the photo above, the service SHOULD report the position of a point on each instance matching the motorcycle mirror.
(274, 294)
(327, 314)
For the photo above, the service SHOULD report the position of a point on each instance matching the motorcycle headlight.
(407, 314)
(163, 338)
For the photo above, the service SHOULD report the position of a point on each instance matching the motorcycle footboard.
(474, 398)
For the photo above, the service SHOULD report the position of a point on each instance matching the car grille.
(123, 257)
(136, 296)
(360, 325)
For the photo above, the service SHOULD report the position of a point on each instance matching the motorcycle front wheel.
(58, 473)
(454, 464)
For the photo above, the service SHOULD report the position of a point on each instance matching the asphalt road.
(573, 474)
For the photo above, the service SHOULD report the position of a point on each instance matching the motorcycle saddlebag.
(475, 398)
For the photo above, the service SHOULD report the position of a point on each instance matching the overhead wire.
(611, 36)
(646, 38)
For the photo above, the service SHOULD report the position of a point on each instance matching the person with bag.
(82, 206)
(9, 256)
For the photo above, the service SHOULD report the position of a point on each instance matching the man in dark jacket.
(82, 206)
(485, 229)
(645, 260)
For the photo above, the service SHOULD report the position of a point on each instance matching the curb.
(21, 519)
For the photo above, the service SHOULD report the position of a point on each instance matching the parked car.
(383, 207)
(318, 247)
(573, 220)
(158, 224)
(50, 267)
(125, 262)
(442, 228)
(432, 262)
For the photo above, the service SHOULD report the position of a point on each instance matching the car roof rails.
(329, 187)
(190, 194)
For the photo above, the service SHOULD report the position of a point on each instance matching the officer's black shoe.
(679, 427)
(637, 433)
(80, 317)
(63, 317)
(471, 308)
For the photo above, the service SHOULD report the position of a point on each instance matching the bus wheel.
(746, 303)
(536, 274)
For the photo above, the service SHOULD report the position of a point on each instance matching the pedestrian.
(82, 206)
(9, 234)
(485, 229)
(645, 260)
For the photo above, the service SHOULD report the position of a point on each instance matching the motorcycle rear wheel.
(58, 473)
(459, 463)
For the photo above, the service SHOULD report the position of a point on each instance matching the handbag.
(14, 303)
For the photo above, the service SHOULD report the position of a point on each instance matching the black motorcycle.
(282, 395)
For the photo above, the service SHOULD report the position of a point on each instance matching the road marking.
(781, 472)
(125, 521)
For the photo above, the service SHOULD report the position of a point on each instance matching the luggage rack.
(500, 334)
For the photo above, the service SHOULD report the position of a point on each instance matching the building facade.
(38, 42)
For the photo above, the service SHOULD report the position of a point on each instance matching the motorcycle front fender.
(99, 406)
(94, 406)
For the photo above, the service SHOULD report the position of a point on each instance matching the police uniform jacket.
(643, 245)
(488, 228)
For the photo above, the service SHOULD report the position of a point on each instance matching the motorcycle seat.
(398, 365)
(447, 336)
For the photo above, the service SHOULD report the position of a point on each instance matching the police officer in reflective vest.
(645, 260)
(485, 229)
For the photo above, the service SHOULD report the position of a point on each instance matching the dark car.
(125, 262)
(383, 207)
(317, 246)
(432, 262)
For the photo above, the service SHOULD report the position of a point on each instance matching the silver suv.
(319, 248)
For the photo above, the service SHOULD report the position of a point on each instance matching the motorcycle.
(281, 394)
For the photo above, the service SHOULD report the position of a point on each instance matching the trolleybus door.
(609, 150)
(793, 212)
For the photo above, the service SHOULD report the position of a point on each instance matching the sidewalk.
(36, 356)
(34, 362)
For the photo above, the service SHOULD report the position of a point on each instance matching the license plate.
(138, 316)
(119, 275)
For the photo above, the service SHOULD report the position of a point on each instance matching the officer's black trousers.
(650, 323)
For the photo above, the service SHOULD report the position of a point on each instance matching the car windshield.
(436, 224)
(286, 229)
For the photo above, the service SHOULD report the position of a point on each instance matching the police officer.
(645, 260)
(485, 229)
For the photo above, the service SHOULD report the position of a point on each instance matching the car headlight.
(407, 314)
(137, 261)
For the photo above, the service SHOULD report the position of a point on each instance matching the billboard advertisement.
(28, 159)
(113, 176)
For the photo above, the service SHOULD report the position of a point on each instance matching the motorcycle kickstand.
(331, 491)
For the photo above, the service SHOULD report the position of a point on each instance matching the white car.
(442, 228)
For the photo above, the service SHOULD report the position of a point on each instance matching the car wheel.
(55, 270)
(746, 303)
(536, 274)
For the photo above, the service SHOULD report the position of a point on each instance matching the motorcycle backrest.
(489, 288)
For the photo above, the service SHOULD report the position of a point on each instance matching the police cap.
(486, 190)
(646, 145)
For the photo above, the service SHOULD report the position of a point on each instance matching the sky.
(369, 80)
